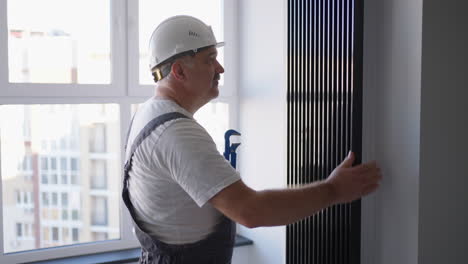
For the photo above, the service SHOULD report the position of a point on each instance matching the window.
(75, 235)
(65, 235)
(53, 163)
(65, 101)
(65, 214)
(63, 164)
(98, 174)
(74, 179)
(97, 139)
(45, 234)
(75, 215)
(55, 234)
(18, 197)
(53, 178)
(45, 199)
(64, 178)
(99, 211)
(26, 230)
(64, 200)
(44, 178)
(19, 230)
(55, 50)
(148, 20)
(44, 164)
(54, 199)
(74, 164)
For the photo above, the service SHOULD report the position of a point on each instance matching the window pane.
(214, 117)
(209, 11)
(72, 203)
(56, 41)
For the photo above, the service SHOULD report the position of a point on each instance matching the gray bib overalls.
(215, 249)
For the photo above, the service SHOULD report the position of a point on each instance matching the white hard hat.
(179, 34)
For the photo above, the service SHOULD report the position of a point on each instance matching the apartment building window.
(19, 229)
(99, 211)
(53, 178)
(74, 171)
(64, 199)
(68, 87)
(63, 164)
(75, 214)
(64, 178)
(45, 199)
(74, 179)
(26, 230)
(65, 235)
(75, 235)
(54, 199)
(53, 163)
(55, 233)
(44, 178)
(44, 163)
(98, 172)
(74, 164)
(18, 197)
(45, 235)
(65, 214)
(97, 139)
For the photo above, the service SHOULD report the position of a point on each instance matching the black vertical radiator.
(324, 121)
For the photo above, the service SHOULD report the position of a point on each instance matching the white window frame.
(124, 90)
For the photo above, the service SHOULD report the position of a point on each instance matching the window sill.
(119, 256)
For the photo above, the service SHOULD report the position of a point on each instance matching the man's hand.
(350, 183)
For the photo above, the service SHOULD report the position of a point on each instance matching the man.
(182, 194)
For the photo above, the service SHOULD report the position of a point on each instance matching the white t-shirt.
(175, 171)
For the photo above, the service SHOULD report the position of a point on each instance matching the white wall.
(443, 214)
(262, 114)
(415, 86)
(392, 88)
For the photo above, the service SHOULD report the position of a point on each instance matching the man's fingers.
(370, 188)
(348, 161)
(365, 167)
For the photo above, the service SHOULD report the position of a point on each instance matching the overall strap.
(144, 133)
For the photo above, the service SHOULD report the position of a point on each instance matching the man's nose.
(219, 68)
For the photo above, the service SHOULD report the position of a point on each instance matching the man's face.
(204, 73)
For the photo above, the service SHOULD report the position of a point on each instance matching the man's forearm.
(282, 207)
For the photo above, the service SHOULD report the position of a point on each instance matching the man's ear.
(178, 71)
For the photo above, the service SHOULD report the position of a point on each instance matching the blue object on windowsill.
(230, 149)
